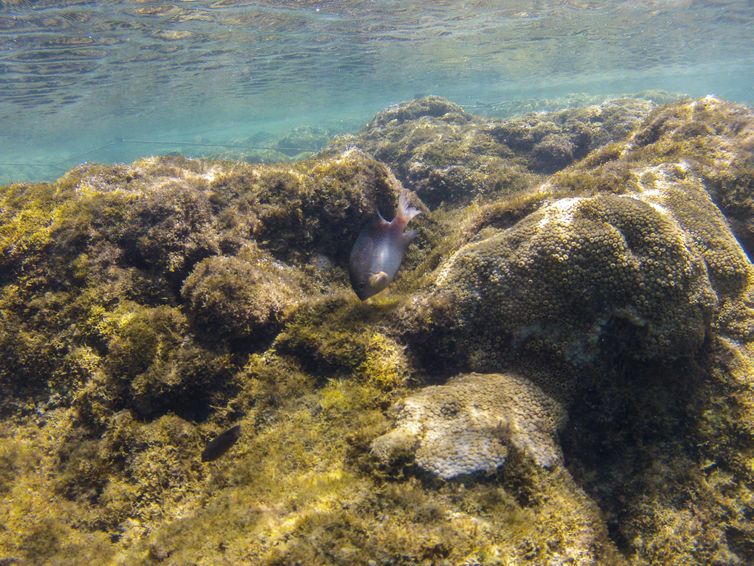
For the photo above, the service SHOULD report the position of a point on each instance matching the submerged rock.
(639, 264)
(303, 140)
(241, 298)
(145, 307)
(469, 426)
(575, 278)
(445, 154)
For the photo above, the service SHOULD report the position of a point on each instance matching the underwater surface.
(113, 81)
(213, 350)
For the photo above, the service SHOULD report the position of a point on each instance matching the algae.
(145, 308)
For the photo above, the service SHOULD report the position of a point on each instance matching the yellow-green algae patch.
(297, 493)
(146, 308)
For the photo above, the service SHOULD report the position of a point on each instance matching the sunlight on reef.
(561, 371)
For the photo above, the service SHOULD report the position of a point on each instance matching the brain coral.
(575, 272)
(470, 424)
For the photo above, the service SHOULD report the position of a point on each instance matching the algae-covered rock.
(469, 425)
(600, 322)
(445, 154)
(157, 366)
(432, 106)
(575, 278)
(241, 297)
(553, 140)
(641, 265)
(717, 140)
(313, 207)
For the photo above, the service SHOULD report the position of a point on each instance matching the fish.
(221, 444)
(378, 251)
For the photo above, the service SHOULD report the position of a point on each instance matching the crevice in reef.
(629, 440)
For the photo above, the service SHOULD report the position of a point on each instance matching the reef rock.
(145, 307)
(469, 426)
(241, 297)
(445, 154)
(151, 259)
(716, 139)
(640, 263)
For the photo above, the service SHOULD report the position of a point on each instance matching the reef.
(445, 154)
(266, 147)
(561, 372)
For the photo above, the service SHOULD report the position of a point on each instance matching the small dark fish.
(378, 251)
(221, 444)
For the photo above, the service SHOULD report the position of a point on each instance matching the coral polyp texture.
(469, 425)
(560, 373)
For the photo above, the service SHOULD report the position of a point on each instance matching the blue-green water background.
(112, 81)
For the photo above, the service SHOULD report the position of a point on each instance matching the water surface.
(112, 81)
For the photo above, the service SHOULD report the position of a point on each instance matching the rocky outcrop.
(624, 256)
(599, 322)
(445, 154)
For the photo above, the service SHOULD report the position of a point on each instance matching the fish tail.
(405, 211)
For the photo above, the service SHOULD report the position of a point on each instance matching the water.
(112, 81)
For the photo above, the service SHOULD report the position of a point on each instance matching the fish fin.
(408, 237)
(405, 210)
(379, 280)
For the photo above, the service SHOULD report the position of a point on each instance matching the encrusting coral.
(598, 322)
(469, 425)
(626, 270)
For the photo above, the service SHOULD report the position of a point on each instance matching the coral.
(629, 274)
(600, 323)
(715, 139)
(469, 425)
(649, 265)
(293, 495)
(579, 278)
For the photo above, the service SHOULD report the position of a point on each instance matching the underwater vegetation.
(445, 154)
(561, 372)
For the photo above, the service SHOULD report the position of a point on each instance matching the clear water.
(111, 81)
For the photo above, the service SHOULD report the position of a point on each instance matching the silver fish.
(378, 251)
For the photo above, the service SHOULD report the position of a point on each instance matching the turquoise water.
(113, 81)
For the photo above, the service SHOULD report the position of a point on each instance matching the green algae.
(446, 155)
(145, 308)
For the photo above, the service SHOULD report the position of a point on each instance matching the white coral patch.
(560, 212)
(470, 424)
